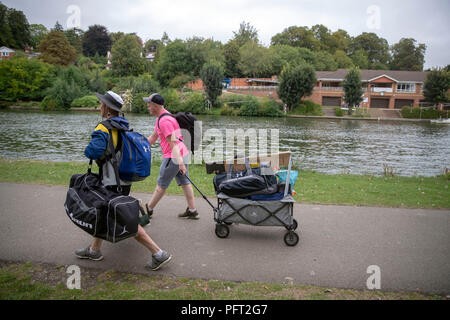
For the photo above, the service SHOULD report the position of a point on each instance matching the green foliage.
(142, 84)
(172, 100)
(17, 30)
(376, 48)
(227, 110)
(246, 33)
(180, 81)
(255, 60)
(174, 60)
(352, 89)
(325, 62)
(296, 82)
(96, 40)
(339, 112)
(436, 86)
(37, 33)
(24, 79)
(49, 104)
(139, 105)
(250, 108)
(309, 108)
(70, 84)
(194, 102)
(85, 102)
(126, 57)
(212, 76)
(407, 56)
(56, 49)
(422, 113)
(270, 108)
(75, 38)
(231, 53)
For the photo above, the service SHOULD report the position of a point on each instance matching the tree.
(6, 37)
(407, 56)
(37, 32)
(254, 60)
(340, 40)
(56, 49)
(297, 37)
(75, 38)
(342, 60)
(212, 76)
(20, 29)
(126, 57)
(352, 89)
(246, 33)
(58, 27)
(174, 59)
(231, 53)
(325, 61)
(436, 86)
(202, 51)
(152, 45)
(96, 40)
(360, 59)
(323, 35)
(296, 82)
(377, 49)
(284, 54)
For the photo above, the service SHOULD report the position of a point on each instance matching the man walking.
(176, 156)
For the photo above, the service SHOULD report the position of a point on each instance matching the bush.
(139, 105)
(86, 101)
(250, 107)
(422, 113)
(195, 103)
(270, 108)
(142, 84)
(24, 79)
(233, 100)
(49, 104)
(172, 100)
(339, 112)
(180, 81)
(307, 107)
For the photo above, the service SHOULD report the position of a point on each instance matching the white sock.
(192, 211)
(158, 254)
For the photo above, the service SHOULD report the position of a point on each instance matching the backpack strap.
(110, 125)
(167, 114)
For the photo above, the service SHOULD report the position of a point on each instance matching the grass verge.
(311, 187)
(27, 281)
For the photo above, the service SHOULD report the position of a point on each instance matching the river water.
(329, 146)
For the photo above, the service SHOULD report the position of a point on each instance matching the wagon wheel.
(222, 231)
(293, 227)
(291, 238)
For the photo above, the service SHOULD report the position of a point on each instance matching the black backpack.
(186, 121)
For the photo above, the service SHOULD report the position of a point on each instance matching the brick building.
(6, 53)
(384, 89)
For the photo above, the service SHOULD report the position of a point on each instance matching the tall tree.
(325, 61)
(37, 32)
(152, 45)
(58, 27)
(352, 89)
(75, 38)
(174, 60)
(212, 76)
(126, 57)
(377, 49)
(245, 34)
(436, 86)
(96, 40)
(297, 37)
(203, 50)
(323, 35)
(296, 82)
(342, 60)
(254, 60)
(407, 56)
(20, 29)
(56, 49)
(231, 53)
(6, 37)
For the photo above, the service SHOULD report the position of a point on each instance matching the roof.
(370, 75)
(5, 49)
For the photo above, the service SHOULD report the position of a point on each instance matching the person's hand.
(183, 169)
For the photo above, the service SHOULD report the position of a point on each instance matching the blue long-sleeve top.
(99, 142)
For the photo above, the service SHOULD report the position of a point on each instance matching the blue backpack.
(136, 153)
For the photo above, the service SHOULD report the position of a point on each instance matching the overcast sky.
(426, 21)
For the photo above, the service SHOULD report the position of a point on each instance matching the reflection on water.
(332, 146)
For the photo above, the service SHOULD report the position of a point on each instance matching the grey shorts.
(170, 170)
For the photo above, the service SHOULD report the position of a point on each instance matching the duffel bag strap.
(114, 161)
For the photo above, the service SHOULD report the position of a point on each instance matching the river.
(324, 145)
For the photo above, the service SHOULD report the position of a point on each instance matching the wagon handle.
(204, 197)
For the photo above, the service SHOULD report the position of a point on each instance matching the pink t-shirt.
(167, 126)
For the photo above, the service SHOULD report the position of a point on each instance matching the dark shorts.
(170, 170)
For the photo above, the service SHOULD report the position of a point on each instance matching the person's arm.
(153, 138)
(176, 153)
(97, 145)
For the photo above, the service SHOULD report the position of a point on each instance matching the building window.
(406, 87)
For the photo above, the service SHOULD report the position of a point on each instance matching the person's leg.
(144, 239)
(189, 195)
(96, 244)
(156, 197)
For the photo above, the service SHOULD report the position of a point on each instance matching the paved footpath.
(337, 243)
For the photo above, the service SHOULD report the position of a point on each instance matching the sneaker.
(155, 264)
(189, 215)
(87, 254)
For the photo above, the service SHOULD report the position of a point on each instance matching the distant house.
(6, 53)
(150, 56)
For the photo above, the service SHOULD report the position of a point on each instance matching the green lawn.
(27, 281)
(311, 187)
